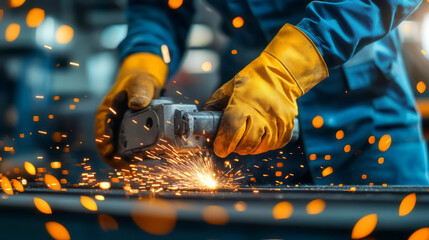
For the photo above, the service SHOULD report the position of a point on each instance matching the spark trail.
(178, 171)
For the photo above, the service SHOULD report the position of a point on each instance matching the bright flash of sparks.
(176, 171)
(207, 180)
(105, 185)
(193, 171)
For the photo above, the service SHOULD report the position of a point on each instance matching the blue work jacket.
(367, 93)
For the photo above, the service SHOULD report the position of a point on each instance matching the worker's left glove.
(259, 103)
(140, 79)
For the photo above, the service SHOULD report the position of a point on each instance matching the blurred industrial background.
(58, 59)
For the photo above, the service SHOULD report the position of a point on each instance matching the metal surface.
(343, 209)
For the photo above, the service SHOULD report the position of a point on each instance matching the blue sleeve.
(151, 24)
(340, 28)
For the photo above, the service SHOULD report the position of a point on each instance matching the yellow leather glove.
(259, 103)
(140, 79)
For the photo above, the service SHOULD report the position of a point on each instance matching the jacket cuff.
(300, 57)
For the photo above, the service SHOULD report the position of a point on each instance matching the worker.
(338, 63)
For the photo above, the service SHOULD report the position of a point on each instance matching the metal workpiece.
(254, 219)
(165, 127)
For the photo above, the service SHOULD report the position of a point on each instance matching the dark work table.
(344, 206)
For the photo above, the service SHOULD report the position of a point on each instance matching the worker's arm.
(259, 103)
(143, 71)
(340, 29)
(151, 24)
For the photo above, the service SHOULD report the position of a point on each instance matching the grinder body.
(164, 125)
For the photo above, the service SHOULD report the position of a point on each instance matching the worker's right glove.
(140, 79)
(259, 103)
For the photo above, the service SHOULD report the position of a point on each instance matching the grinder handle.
(206, 123)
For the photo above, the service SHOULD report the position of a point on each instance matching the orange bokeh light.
(57, 136)
(12, 32)
(64, 34)
(6, 186)
(154, 216)
(215, 215)
(317, 122)
(57, 231)
(407, 204)
(240, 206)
(421, 87)
(16, 3)
(237, 22)
(17, 185)
(422, 233)
(282, 210)
(327, 171)
(107, 222)
(42, 206)
(384, 143)
(340, 134)
(88, 203)
(55, 165)
(315, 207)
(29, 167)
(347, 148)
(364, 226)
(175, 4)
(35, 17)
(52, 182)
(206, 66)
